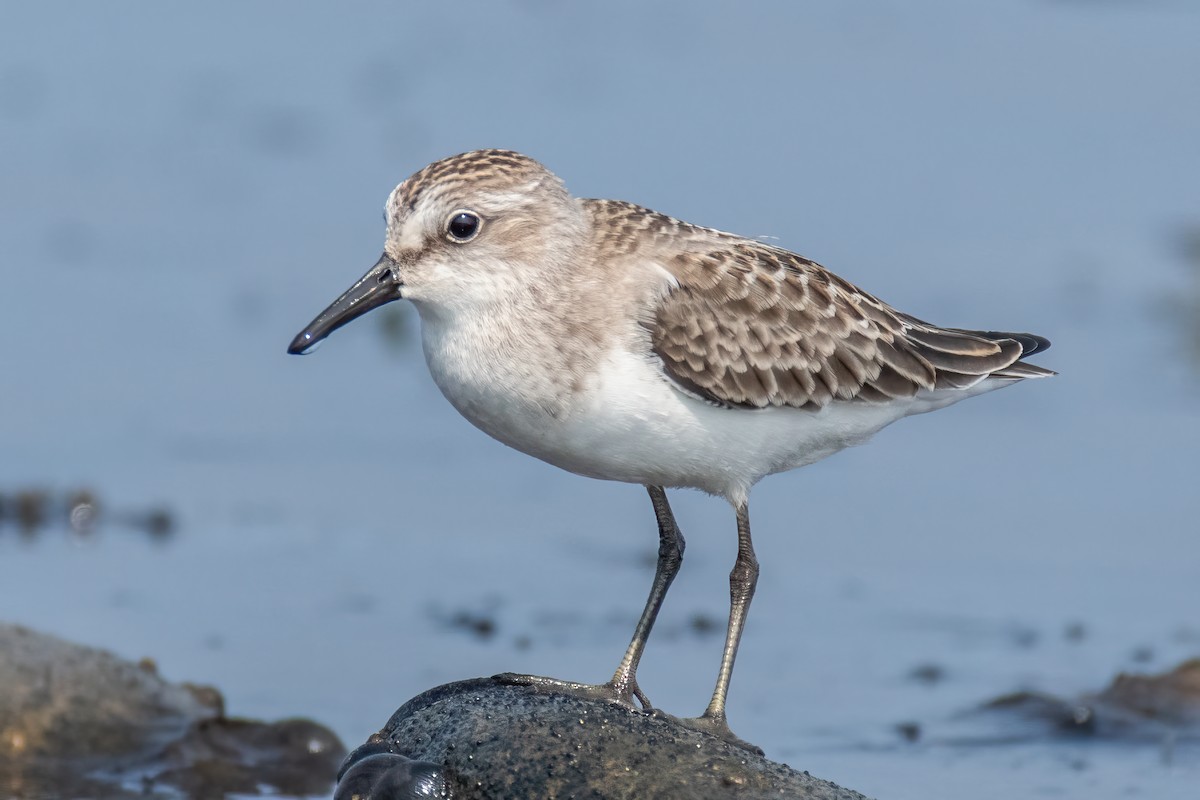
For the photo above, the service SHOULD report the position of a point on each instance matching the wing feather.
(751, 325)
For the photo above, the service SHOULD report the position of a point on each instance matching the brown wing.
(753, 325)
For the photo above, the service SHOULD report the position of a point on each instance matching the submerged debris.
(39, 510)
(1133, 707)
(1160, 710)
(1130, 705)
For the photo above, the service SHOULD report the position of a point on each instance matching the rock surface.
(495, 738)
(78, 721)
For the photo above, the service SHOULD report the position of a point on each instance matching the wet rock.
(496, 738)
(1171, 697)
(77, 721)
(67, 702)
(222, 755)
(1131, 707)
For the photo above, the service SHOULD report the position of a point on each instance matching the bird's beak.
(381, 285)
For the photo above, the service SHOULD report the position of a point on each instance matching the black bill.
(379, 286)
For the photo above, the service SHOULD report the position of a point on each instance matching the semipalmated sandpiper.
(620, 343)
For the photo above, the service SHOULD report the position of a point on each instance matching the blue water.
(183, 186)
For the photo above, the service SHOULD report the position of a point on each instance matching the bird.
(619, 343)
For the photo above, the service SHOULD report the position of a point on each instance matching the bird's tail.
(1030, 343)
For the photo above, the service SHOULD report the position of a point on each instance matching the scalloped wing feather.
(752, 325)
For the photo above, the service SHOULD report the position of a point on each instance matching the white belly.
(628, 423)
(636, 427)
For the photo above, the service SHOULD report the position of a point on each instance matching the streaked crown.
(478, 172)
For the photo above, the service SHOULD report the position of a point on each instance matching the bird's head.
(465, 231)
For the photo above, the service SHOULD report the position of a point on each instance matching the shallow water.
(184, 187)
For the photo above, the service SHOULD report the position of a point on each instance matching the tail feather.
(962, 358)
(1021, 370)
(1030, 343)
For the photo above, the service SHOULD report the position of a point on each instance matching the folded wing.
(752, 325)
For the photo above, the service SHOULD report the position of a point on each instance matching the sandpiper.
(619, 343)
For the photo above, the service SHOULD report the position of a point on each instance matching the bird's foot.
(716, 726)
(623, 693)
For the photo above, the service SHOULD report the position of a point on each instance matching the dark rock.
(496, 738)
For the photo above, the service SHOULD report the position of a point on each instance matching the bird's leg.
(742, 580)
(670, 556)
(623, 686)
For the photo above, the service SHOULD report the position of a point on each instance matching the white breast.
(626, 422)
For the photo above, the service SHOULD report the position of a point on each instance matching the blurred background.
(183, 186)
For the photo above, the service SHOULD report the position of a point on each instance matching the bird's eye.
(463, 226)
